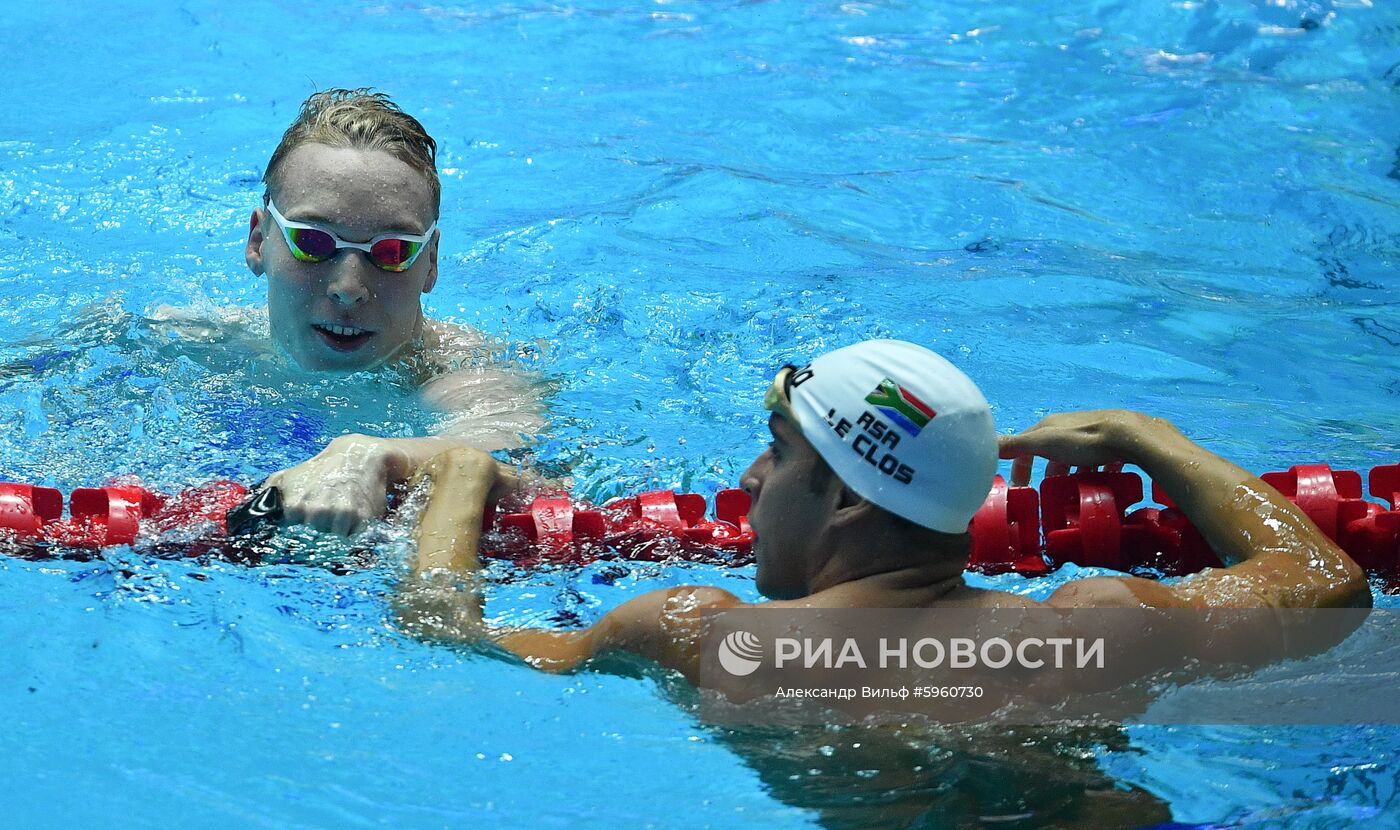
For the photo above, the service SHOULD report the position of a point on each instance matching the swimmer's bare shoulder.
(486, 401)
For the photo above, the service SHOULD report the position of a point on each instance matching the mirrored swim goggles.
(389, 251)
(778, 397)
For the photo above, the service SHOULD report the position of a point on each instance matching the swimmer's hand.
(347, 484)
(1087, 440)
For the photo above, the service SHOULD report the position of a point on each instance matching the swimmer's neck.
(908, 585)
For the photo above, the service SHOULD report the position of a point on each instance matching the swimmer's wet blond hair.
(364, 120)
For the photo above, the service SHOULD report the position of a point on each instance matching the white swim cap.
(902, 427)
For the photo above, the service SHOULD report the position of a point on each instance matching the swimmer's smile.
(342, 338)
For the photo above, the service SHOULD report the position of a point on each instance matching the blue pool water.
(1188, 208)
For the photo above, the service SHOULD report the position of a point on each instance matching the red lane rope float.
(1085, 521)
(31, 518)
(1082, 518)
(1006, 532)
(652, 526)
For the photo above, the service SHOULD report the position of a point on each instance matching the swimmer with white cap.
(881, 454)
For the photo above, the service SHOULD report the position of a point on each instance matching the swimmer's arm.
(1276, 556)
(665, 626)
(462, 482)
(347, 484)
(441, 599)
(487, 407)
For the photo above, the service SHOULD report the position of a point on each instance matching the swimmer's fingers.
(345, 509)
(347, 523)
(1022, 459)
(1081, 439)
(299, 510)
(1021, 466)
(364, 501)
(1022, 463)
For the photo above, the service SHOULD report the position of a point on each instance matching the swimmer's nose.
(348, 284)
(750, 480)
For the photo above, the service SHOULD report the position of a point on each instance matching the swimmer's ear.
(252, 252)
(850, 507)
(432, 262)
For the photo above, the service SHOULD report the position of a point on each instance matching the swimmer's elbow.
(1353, 590)
(1329, 578)
(1339, 581)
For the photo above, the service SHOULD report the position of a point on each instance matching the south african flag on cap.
(901, 406)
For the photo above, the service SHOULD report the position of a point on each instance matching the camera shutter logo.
(740, 653)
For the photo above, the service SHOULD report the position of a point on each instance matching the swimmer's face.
(345, 313)
(788, 513)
